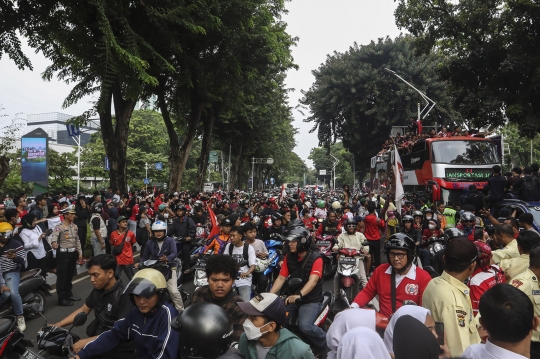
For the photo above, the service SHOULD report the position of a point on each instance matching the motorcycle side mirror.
(80, 319)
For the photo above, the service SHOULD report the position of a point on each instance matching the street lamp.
(254, 160)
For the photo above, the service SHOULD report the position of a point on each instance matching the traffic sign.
(270, 161)
(213, 157)
(107, 164)
(159, 166)
(73, 130)
(322, 172)
(147, 180)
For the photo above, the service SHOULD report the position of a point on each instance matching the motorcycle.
(32, 290)
(381, 321)
(12, 342)
(434, 245)
(348, 271)
(59, 341)
(324, 244)
(177, 263)
(274, 247)
(199, 279)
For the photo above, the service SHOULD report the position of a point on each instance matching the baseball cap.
(267, 304)
(162, 207)
(225, 222)
(460, 251)
(121, 218)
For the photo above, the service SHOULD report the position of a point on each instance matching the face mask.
(18, 220)
(253, 332)
(429, 217)
(431, 226)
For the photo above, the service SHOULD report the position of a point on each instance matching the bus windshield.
(465, 152)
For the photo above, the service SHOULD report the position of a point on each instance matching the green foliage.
(520, 148)
(353, 99)
(490, 55)
(323, 161)
(62, 169)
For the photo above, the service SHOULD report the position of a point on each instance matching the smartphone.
(48, 232)
(11, 251)
(439, 329)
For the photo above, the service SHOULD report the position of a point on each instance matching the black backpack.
(245, 253)
(530, 184)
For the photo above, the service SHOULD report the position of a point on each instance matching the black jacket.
(184, 228)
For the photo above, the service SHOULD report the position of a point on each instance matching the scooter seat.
(29, 274)
(5, 325)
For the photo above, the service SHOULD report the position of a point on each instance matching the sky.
(322, 26)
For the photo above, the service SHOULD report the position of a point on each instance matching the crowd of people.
(478, 297)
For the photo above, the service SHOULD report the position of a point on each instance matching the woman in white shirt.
(32, 237)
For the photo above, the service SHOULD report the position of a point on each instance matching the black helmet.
(452, 233)
(407, 218)
(180, 207)
(349, 222)
(468, 216)
(401, 241)
(417, 214)
(205, 331)
(97, 207)
(299, 234)
(295, 223)
(277, 216)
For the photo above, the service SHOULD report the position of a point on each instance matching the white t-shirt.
(259, 246)
(238, 254)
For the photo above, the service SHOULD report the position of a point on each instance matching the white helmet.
(308, 204)
(159, 226)
(261, 264)
(336, 205)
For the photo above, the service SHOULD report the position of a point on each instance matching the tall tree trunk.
(208, 123)
(174, 142)
(115, 135)
(4, 168)
(236, 164)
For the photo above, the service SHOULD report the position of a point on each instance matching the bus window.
(451, 195)
(465, 152)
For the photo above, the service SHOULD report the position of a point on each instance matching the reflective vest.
(450, 215)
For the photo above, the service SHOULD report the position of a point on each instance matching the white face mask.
(18, 220)
(429, 217)
(431, 226)
(253, 332)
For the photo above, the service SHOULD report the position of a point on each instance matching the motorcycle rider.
(303, 263)
(320, 211)
(108, 304)
(163, 248)
(353, 240)
(198, 216)
(330, 226)
(12, 259)
(184, 227)
(467, 224)
(408, 229)
(400, 273)
(277, 228)
(148, 325)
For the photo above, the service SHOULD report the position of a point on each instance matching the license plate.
(323, 243)
(347, 260)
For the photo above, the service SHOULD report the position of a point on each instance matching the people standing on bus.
(527, 188)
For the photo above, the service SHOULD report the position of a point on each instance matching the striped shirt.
(10, 265)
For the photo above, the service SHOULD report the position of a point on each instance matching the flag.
(302, 196)
(283, 192)
(215, 229)
(398, 175)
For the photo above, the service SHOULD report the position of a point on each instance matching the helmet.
(296, 223)
(336, 205)
(159, 226)
(146, 283)
(97, 207)
(407, 218)
(468, 217)
(6, 230)
(307, 204)
(417, 214)
(452, 233)
(261, 264)
(401, 241)
(299, 234)
(277, 216)
(180, 207)
(205, 331)
(428, 210)
(321, 204)
(350, 222)
(484, 255)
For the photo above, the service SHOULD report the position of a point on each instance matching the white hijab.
(362, 343)
(345, 321)
(419, 313)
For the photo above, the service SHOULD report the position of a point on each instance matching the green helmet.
(321, 204)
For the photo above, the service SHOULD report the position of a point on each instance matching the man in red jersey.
(401, 273)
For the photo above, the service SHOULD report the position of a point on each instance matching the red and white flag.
(398, 175)
(215, 229)
(283, 192)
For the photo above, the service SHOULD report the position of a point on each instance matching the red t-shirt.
(316, 269)
(126, 257)
(134, 212)
(372, 226)
(379, 283)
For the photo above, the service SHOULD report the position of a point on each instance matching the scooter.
(12, 342)
(274, 256)
(348, 270)
(199, 279)
(324, 244)
(32, 290)
(59, 341)
(177, 263)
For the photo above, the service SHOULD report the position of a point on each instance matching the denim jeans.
(132, 226)
(96, 245)
(245, 292)
(307, 313)
(13, 280)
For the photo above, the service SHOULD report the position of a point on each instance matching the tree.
(490, 55)
(62, 170)
(354, 100)
(323, 161)
(520, 147)
(7, 146)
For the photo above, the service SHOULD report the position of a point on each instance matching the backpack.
(530, 184)
(245, 253)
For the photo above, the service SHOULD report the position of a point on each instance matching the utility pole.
(334, 169)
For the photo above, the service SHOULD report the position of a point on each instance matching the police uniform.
(66, 236)
(449, 301)
(514, 266)
(510, 251)
(527, 282)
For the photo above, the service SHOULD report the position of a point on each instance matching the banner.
(215, 229)
(398, 175)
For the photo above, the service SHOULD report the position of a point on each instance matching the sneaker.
(20, 323)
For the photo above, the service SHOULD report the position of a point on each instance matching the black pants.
(34, 263)
(66, 265)
(260, 281)
(186, 255)
(375, 251)
(82, 236)
(535, 350)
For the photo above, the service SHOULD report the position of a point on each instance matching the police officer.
(65, 239)
(528, 283)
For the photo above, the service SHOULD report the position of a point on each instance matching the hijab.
(414, 340)
(345, 321)
(419, 313)
(28, 220)
(362, 343)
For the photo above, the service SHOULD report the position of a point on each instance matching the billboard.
(34, 157)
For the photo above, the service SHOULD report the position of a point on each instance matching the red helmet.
(484, 255)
